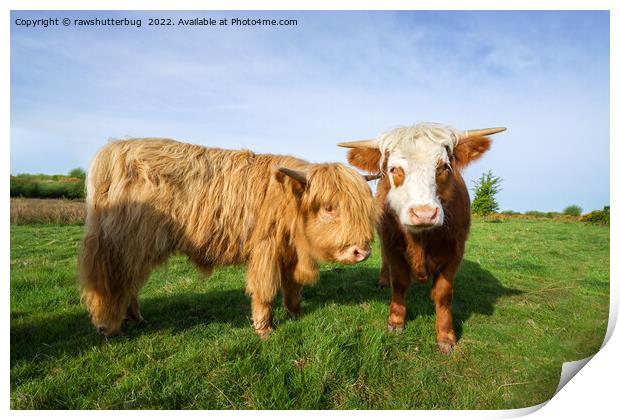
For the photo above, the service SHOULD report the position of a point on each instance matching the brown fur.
(470, 149)
(436, 253)
(148, 198)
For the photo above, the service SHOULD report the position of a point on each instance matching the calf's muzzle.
(355, 253)
(423, 215)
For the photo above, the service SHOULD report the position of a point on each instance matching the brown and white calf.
(426, 210)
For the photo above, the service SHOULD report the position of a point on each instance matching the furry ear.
(470, 149)
(365, 158)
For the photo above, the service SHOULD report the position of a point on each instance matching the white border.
(592, 393)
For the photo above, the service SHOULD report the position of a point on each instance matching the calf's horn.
(480, 132)
(371, 144)
(298, 175)
(372, 177)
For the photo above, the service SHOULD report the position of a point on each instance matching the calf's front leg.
(262, 316)
(441, 294)
(400, 277)
(263, 281)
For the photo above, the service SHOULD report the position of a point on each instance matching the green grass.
(530, 295)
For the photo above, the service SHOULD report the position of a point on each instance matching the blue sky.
(335, 76)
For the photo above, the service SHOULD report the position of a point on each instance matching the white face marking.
(418, 158)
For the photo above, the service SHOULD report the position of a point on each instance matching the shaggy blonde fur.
(148, 198)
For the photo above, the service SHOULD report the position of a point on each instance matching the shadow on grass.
(476, 291)
(72, 333)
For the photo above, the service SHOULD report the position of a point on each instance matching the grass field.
(530, 295)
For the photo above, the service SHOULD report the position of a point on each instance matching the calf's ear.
(469, 149)
(365, 158)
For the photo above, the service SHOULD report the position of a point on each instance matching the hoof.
(295, 315)
(394, 328)
(109, 334)
(264, 333)
(446, 347)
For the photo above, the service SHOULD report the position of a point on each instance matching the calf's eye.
(398, 176)
(330, 210)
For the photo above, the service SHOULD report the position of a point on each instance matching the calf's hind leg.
(139, 276)
(384, 275)
(133, 315)
(110, 291)
(104, 289)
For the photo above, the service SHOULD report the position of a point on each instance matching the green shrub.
(47, 186)
(510, 212)
(573, 210)
(601, 217)
(485, 190)
(535, 213)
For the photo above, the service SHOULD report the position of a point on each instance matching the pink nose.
(360, 254)
(423, 215)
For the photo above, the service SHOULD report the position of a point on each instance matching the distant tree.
(573, 210)
(77, 173)
(485, 190)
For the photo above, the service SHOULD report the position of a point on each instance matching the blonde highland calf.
(149, 198)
